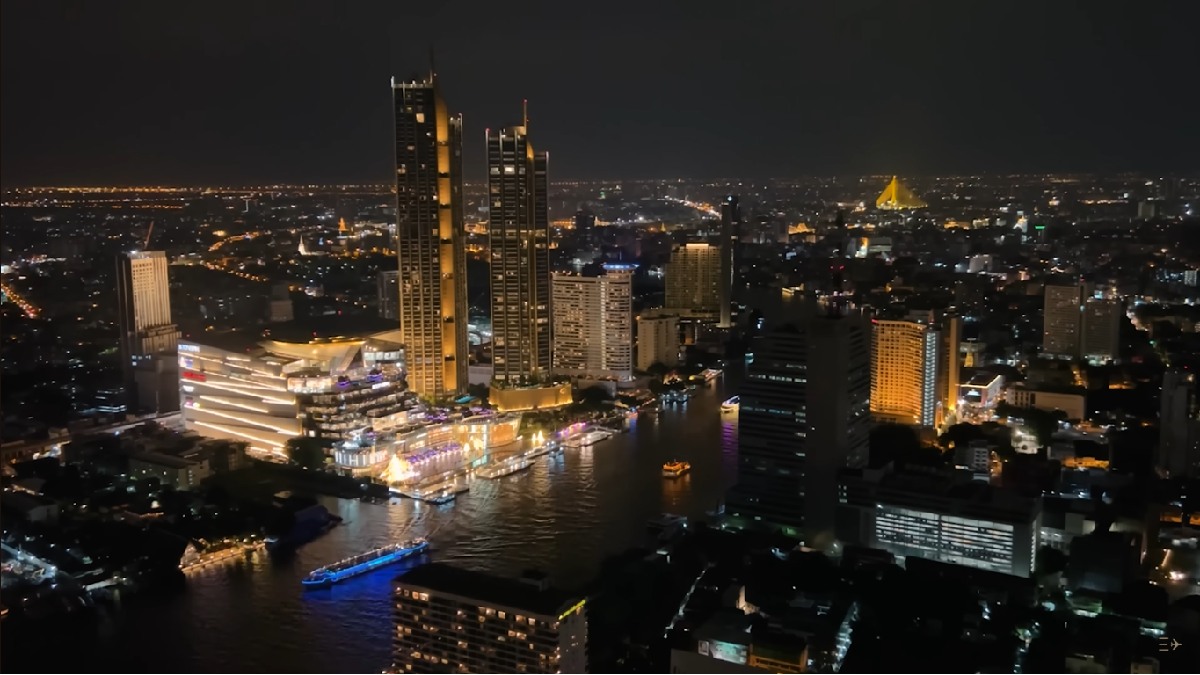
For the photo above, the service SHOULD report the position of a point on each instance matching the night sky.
(253, 92)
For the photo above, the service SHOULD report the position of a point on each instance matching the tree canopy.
(307, 452)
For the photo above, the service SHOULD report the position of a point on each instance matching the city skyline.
(945, 108)
(358, 387)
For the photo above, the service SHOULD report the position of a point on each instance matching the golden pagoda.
(896, 196)
(342, 225)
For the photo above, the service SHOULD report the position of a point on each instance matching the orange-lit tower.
(430, 239)
(519, 234)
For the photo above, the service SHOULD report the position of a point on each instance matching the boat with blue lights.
(329, 575)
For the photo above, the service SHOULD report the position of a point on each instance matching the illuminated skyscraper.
(693, 281)
(149, 338)
(904, 372)
(593, 323)
(519, 235)
(429, 239)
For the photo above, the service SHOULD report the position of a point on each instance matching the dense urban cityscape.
(486, 418)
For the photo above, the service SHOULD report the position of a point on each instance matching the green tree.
(960, 434)
(479, 391)
(307, 452)
(889, 442)
(1043, 424)
(658, 369)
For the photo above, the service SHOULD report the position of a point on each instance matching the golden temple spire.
(897, 196)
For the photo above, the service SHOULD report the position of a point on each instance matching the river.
(563, 516)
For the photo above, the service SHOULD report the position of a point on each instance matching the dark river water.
(563, 516)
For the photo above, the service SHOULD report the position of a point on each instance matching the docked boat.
(675, 469)
(588, 438)
(440, 498)
(731, 404)
(676, 396)
(329, 575)
(710, 374)
(504, 469)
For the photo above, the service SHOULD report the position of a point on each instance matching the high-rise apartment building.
(731, 226)
(693, 283)
(519, 236)
(454, 620)
(805, 415)
(1061, 320)
(593, 323)
(387, 289)
(657, 340)
(1179, 425)
(1101, 330)
(148, 337)
(904, 372)
(432, 275)
(950, 364)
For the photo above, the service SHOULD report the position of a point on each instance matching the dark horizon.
(282, 93)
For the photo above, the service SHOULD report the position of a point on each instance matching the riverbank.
(262, 480)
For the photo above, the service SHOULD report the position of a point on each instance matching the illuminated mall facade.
(265, 392)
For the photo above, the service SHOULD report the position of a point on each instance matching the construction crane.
(150, 231)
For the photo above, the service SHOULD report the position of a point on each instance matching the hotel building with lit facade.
(940, 515)
(450, 619)
(593, 323)
(904, 372)
(430, 239)
(694, 285)
(265, 392)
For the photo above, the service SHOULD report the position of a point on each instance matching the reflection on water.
(564, 515)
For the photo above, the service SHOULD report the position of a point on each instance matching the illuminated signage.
(195, 377)
(728, 652)
(189, 348)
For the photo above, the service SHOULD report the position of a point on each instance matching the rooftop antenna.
(525, 113)
(432, 65)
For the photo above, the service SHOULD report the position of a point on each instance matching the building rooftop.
(236, 341)
(325, 327)
(24, 502)
(489, 589)
(160, 459)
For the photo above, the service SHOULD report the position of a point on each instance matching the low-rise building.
(1068, 401)
(30, 507)
(942, 516)
(179, 472)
